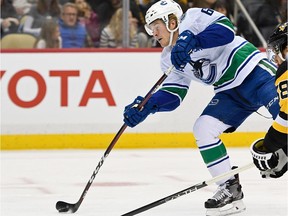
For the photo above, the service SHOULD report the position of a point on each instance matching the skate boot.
(227, 199)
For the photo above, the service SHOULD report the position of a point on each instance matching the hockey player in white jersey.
(202, 46)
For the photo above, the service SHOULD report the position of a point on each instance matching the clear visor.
(271, 55)
(150, 29)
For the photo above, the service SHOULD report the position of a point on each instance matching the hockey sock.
(216, 158)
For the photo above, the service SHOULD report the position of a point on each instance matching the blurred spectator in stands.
(90, 20)
(203, 3)
(95, 3)
(269, 18)
(265, 13)
(144, 5)
(105, 11)
(137, 13)
(112, 35)
(106, 8)
(9, 21)
(62, 2)
(222, 7)
(32, 2)
(283, 10)
(73, 33)
(49, 35)
(22, 7)
(44, 9)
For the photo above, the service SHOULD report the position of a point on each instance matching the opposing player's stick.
(62, 206)
(188, 190)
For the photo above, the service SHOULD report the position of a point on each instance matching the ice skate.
(227, 199)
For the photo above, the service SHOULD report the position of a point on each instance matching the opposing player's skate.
(227, 199)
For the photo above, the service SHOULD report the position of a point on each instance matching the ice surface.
(33, 181)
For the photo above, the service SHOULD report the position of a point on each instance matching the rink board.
(75, 99)
(98, 141)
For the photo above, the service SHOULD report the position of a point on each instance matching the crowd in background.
(98, 23)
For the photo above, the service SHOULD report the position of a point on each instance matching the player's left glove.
(271, 164)
(180, 54)
(133, 116)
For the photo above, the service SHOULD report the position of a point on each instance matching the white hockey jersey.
(224, 66)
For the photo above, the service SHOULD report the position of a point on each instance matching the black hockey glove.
(262, 158)
(271, 164)
(281, 167)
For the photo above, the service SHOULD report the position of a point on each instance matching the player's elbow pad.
(165, 101)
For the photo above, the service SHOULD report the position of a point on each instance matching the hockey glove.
(180, 54)
(271, 164)
(262, 158)
(133, 116)
(281, 167)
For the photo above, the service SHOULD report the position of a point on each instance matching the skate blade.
(229, 209)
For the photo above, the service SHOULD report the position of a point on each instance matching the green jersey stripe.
(180, 92)
(239, 57)
(227, 23)
(268, 67)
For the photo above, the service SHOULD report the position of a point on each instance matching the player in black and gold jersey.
(270, 154)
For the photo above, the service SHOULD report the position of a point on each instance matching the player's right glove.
(271, 164)
(133, 116)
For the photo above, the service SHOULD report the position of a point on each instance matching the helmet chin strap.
(280, 56)
(171, 38)
(171, 35)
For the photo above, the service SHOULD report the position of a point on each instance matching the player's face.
(160, 32)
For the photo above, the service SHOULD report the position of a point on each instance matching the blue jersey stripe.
(215, 35)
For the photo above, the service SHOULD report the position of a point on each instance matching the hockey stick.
(62, 206)
(189, 190)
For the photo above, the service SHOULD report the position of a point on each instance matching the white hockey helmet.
(161, 10)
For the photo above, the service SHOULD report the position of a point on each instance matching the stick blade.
(65, 207)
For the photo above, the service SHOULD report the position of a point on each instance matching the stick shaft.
(116, 137)
(188, 190)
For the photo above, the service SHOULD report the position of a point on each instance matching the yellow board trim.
(128, 140)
